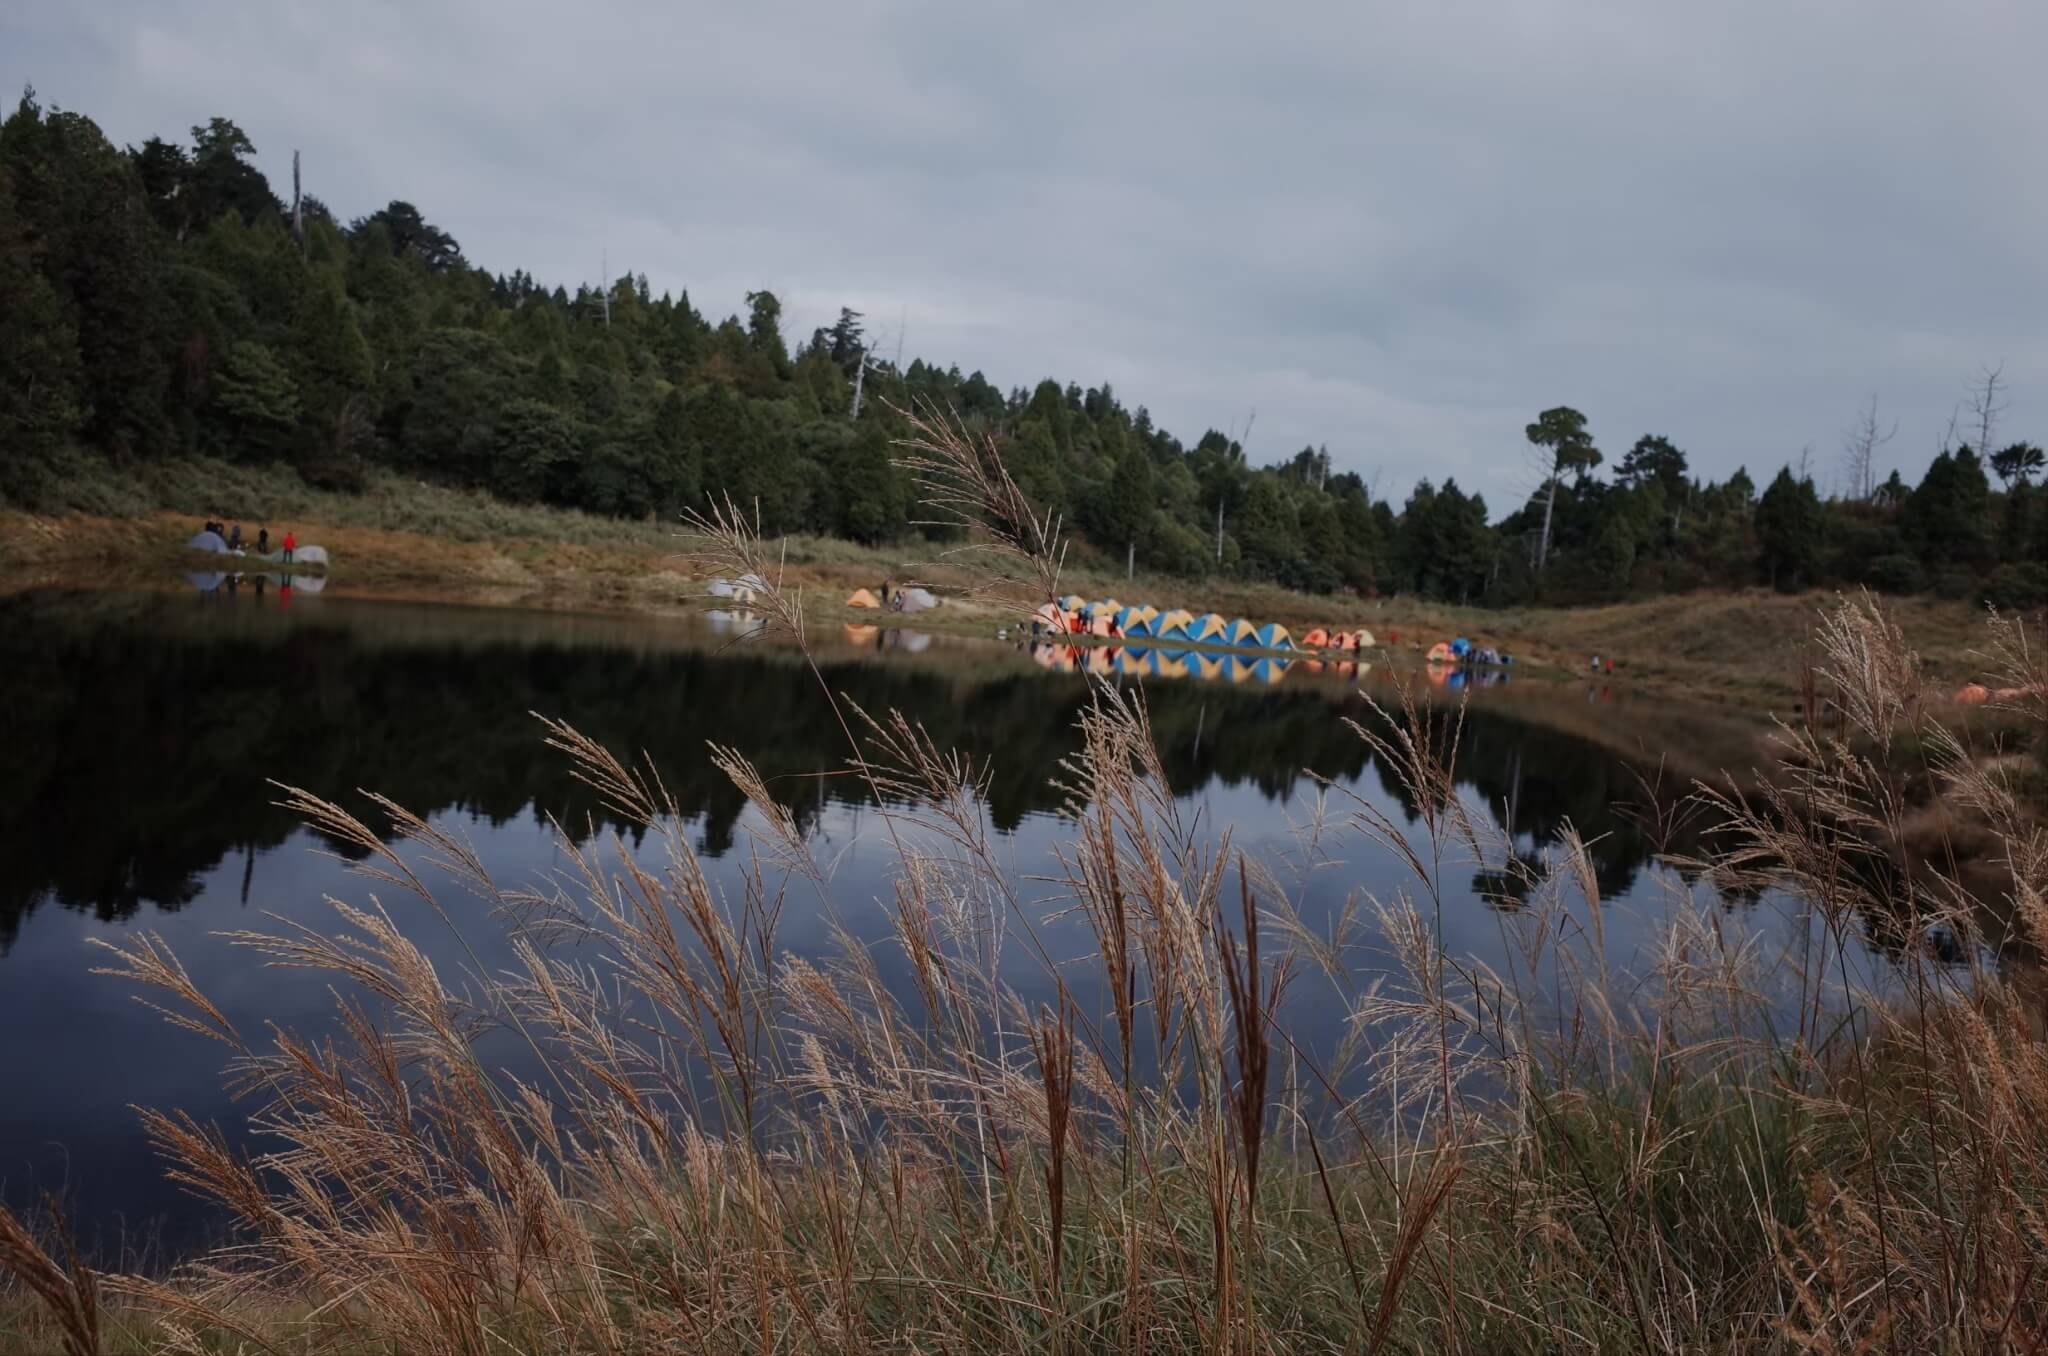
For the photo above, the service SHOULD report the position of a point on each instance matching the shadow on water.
(147, 732)
(146, 740)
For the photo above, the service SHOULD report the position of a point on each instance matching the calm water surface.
(145, 730)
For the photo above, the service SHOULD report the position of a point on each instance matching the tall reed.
(725, 1146)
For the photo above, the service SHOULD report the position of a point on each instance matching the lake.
(147, 730)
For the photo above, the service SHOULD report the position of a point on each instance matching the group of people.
(233, 537)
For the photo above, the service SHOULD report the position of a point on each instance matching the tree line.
(164, 300)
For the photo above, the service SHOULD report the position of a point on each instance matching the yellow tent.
(862, 598)
(1361, 639)
(1073, 602)
(1242, 632)
(1208, 627)
(1179, 619)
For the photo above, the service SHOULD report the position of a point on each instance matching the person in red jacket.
(291, 543)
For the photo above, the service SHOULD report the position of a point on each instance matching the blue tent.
(1461, 647)
(1141, 627)
(1273, 636)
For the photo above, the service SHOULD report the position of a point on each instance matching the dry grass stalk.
(724, 1147)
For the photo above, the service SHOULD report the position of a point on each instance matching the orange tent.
(1440, 653)
(862, 598)
(1317, 639)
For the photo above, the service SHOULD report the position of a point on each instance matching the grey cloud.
(1399, 230)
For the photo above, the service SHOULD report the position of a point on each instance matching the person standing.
(291, 543)
(235, 539)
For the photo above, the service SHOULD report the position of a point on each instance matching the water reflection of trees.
(143, 752)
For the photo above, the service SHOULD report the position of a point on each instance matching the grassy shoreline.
(1703, 1141)
(403, 539)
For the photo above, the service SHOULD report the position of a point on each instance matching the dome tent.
(1274, 636)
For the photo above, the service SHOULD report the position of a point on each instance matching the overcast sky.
(1398, 229)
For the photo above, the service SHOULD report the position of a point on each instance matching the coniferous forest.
(166, 301)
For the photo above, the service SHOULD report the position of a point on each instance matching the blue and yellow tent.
(1209, 629)
(1136, 620)
(1174, 625)
(1273, 636)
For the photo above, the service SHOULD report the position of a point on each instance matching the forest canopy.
(164, 301)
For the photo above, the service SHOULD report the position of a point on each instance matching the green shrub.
(2016, 587)
(1896, 574)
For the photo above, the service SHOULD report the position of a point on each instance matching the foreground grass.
(729, 1148)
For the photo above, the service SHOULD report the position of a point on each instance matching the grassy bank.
(401, 538)
(1706, 1144)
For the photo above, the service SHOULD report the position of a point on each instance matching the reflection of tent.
(858, 633)
(306, 583)
(1102, 659)
(1170, 663)
(205, 582)
(912, 641)
(1207, 665)
(1441, 653)
(1134, 661)
(1261, 670)
(1273, 636)
(1173, 625)
(1060, 657)
(862, 598)
(913, 600)
(206, 541)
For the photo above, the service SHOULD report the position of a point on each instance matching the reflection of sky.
(84, 1052)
